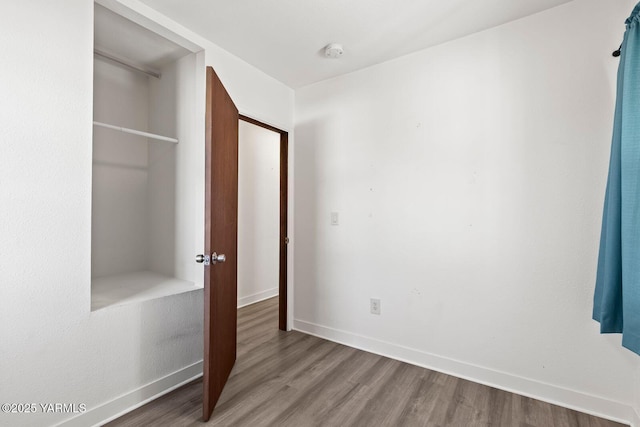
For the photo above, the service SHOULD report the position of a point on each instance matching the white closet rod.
(137, 132)
(126, 64)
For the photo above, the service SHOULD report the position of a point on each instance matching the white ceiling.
(285, 38)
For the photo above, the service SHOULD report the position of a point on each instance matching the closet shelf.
(136, 287)
(137, 132)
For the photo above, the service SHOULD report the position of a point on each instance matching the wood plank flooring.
(293, 379)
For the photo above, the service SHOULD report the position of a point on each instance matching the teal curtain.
(617, 295)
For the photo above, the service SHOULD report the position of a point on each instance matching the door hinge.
(286, 240)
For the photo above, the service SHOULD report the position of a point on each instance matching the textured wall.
(52, 347)
(469, 179)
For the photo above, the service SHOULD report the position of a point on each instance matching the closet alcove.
(148, 166)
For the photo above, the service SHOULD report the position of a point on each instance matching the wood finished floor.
(293, 379)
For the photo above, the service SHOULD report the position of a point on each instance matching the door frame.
(284, 203)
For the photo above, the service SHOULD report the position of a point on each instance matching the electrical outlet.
(375, 306)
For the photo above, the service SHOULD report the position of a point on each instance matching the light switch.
(334, 218)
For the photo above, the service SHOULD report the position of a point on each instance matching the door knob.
(215, 258)
(200, 258)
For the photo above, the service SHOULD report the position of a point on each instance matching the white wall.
(163, 99)
(469, 179)
(175, 173)
(258, 213)
(52, 347)
(635, 419)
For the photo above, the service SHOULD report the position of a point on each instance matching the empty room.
(320, 213)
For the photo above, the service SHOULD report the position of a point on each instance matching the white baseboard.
(119, 406)
(572, 399)
(260, 296)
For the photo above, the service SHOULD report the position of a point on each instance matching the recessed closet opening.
(147, 185)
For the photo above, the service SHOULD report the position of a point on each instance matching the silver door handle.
(215, 258)
(200, 258)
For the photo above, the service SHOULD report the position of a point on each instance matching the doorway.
(262, 215)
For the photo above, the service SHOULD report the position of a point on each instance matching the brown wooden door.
(221, 236)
